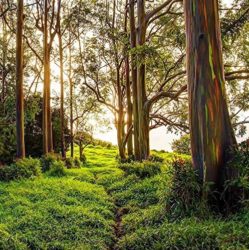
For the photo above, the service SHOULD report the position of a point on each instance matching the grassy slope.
(93, 205)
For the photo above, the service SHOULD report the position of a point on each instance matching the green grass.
(78, 211)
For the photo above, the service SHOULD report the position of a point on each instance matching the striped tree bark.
(211, 132)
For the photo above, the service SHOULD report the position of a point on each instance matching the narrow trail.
(109, 163)
(117, 227)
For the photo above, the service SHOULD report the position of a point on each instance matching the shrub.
(182, 145)
(7, 241)
(156, 158)
(77, 162)
(57, 169)
(83, 158)
(184, 196)
(238, 185)
(69, 162)
(141, 169)
(22, 169)
(140, 194)
(48, 160)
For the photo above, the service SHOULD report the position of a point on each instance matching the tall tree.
(143, 104)
(71, 88)
(134, 78)
(46, 87)
(49, 27)
(62, 118)
(212, 135)
(19, 83)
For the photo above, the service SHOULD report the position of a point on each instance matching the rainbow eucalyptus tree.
(212, 135)
(141, 112)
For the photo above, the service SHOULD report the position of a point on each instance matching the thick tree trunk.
(141, 86)
(134, 80)
(19, 83)
(63, 153)
(211, 131)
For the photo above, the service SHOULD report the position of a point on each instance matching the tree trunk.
(46, 80)
(141, 86)
(211, 132)
(128, 91)
(120, 122)
(19, 83)
(129, 106)
(4, 57)
(49, 113)
(63, 153)
(71, 97)
(81, 149)
(134, 80)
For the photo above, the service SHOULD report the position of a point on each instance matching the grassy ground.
(101, 207)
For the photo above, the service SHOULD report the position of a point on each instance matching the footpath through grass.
(100, 206)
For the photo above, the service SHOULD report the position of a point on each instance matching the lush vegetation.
(105, 204)
(72, 70)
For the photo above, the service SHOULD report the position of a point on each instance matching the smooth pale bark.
(134, 80)
(19, 83)
(212, 135)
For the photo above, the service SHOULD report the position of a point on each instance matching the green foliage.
(83, 158)
(69, 162)
(156, 158)
(161, 207)
(189, 234)
(83, 175)
(184, 196)
(55, 214)
(57, 169)
(48, 160)
(77, 162)
(7, 141)
(22, 169)
(182, 145)
(141, 169)
(240, 171)
(7, 241)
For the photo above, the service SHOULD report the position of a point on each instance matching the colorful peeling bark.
(211, 132)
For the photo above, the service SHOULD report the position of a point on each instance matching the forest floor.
(100, 207)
